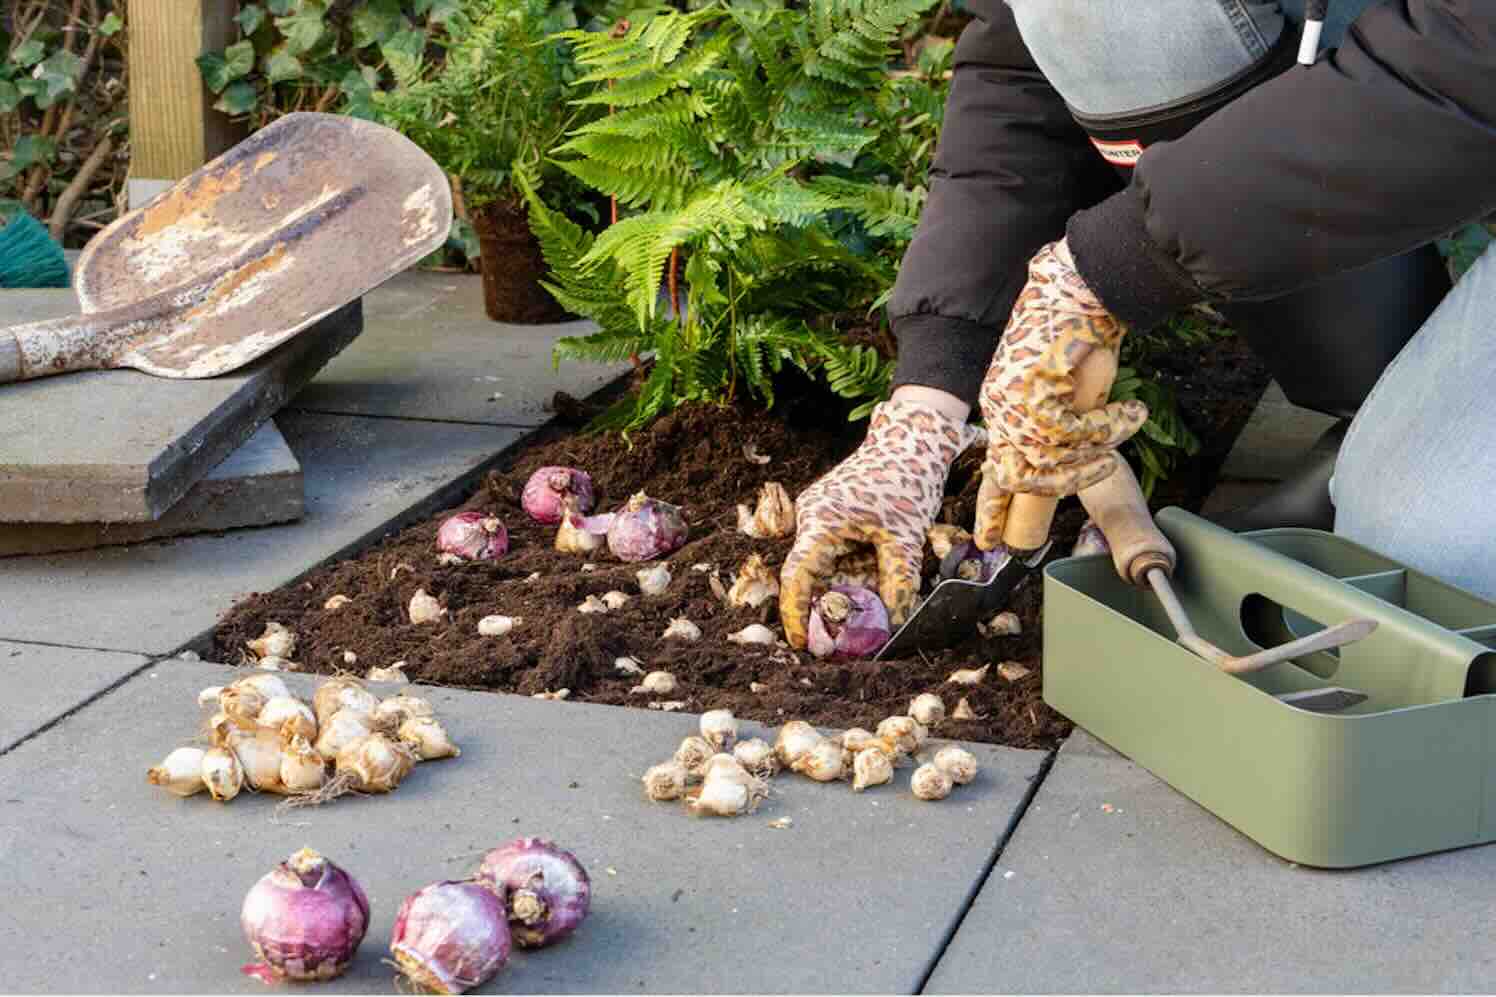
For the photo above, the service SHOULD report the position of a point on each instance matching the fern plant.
(756, 141)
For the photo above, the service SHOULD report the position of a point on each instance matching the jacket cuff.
(946, 353)
(1136, 280)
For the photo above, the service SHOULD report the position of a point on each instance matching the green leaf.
(250, 18)
(306, 28)
(32, 150)
(240, 97)
(111, 25)
(59, 73)
(375, 22)
(281, 65)
(438, 11)
(281, 8)
(29, 53)
(233, 63)
(10, 96)
(404, 52)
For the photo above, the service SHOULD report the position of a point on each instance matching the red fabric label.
(1119, 153)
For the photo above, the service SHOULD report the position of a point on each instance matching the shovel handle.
(10, 358)
(1030, 516)
(1138, 546)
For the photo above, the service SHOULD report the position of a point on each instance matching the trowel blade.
(955, 606)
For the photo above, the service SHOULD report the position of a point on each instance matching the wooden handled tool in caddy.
(1142, 554)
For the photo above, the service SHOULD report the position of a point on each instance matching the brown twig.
(78, 186)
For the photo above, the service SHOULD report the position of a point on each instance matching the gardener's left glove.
(1036, 441)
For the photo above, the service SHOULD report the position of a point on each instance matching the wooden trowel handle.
(10, 358)
(1118, 507)
(1030, 516)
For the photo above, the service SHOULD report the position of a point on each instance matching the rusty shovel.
(305, 216)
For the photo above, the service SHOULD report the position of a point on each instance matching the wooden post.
(173, 127)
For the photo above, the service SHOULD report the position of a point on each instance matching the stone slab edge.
(260, 484)
(275, 379)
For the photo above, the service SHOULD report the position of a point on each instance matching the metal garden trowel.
(305, 216)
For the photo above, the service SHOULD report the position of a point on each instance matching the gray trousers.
(1416, 476)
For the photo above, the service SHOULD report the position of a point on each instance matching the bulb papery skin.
(645, 529)
(548, 891)
(615, 599)
(451, 936)
(208, 698)
(653, 580)
(260, 755)
(755, 584)
(395, 710)
(757, 756)
(871, 768)
(473, 536)
(666, 781)
(773, 517)
(424, 608)
(242, 705)
(546, 493)
(823, 763)
(796, 739)
(907, 733)
(342, 729)
(180, 773)
(277, 641)
(222, 774)
(963, 710)
(656, 684)
(305, 918)
(958, 764)
(693, 754)
(848, 622)
(302, 769)
(428, 738)
(342, 694)
(857, 740)
(969, 676)
(754, 633)
(681, 628)
(377, 763)
(287, 712)
(927, 709)
(393, 673)
(929, 783)
(498, 626)
(977, 565)
(728, 790)
(720, 729)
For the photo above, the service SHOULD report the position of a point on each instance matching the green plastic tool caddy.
(1410, 770)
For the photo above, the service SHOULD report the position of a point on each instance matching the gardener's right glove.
(886, 496)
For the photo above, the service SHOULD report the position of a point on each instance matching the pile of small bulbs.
(717, 775)
(265, 739)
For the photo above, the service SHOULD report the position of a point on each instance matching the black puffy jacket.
(1383, 145)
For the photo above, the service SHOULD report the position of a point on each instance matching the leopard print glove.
(1037, 442)
(885, 495)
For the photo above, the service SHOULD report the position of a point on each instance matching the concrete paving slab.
(1114, 883)
(154, 597)
(1275, 440)
(430, 352)
(258, 485)
(132, 890)
(121, 446)
(42, 683)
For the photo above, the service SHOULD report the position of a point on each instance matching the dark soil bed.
(695, 458)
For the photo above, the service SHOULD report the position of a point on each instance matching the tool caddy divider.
(1410, 770)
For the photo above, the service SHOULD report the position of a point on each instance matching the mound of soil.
(694, 458)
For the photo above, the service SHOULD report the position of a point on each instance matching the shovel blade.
(308, 214)
(955, 606)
